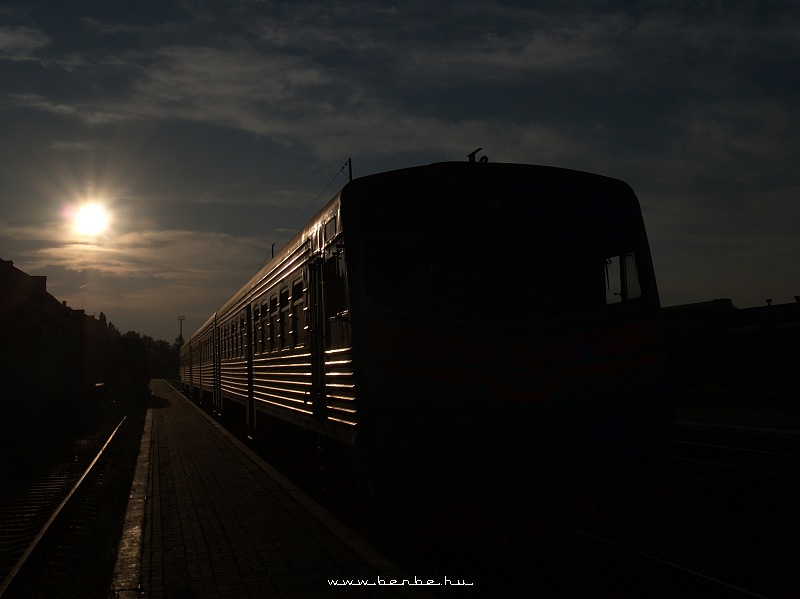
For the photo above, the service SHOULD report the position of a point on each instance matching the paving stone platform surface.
(217, 521)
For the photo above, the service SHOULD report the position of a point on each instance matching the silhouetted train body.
(457, 317)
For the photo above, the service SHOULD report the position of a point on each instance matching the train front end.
(506, 324)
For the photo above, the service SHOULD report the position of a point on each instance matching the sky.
(210, 130)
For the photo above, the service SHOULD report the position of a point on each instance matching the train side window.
(334, 276)
(298, 314)
(273, 323)
(284, 324)
(632, 276)
(613, 282)
(336, 300)
(263, 326)
(255, 339)
(243, 336)
(330, 229)
(621, 278)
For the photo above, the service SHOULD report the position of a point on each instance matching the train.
(455, 322)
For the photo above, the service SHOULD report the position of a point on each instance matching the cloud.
(295, 104)
(76, 146)
(325, 76)
(19, 43)
(188, 255)
(302, 105)
(41, 103)
(581, 45)
(238, 87)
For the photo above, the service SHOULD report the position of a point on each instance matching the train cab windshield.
(532, 246)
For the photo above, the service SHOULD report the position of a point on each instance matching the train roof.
(457, 168)
(389, 178)
(299, 238)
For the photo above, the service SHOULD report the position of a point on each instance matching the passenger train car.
(455, 318)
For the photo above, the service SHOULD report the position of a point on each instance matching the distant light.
(91, 219)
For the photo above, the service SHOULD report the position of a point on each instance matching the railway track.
(779, 463)
(31, 518)
(694, 581)
(725, 523)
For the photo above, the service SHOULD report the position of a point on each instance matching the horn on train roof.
(482, 160)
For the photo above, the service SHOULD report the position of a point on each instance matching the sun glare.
(91, 219)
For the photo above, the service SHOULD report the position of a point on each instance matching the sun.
(91, 219)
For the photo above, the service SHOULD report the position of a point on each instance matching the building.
(51, 355)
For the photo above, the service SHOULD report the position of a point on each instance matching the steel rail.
(735, 466)
(53, 517)
(670, 564)
(772, 453)
(719, 460)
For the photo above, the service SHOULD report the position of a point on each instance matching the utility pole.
(180, 321)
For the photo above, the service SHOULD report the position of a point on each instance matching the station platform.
(207, 517)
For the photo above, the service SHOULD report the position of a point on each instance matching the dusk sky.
(208, 131)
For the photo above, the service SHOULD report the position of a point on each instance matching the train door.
(336, 297)
(316, 339)
(328, 303)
